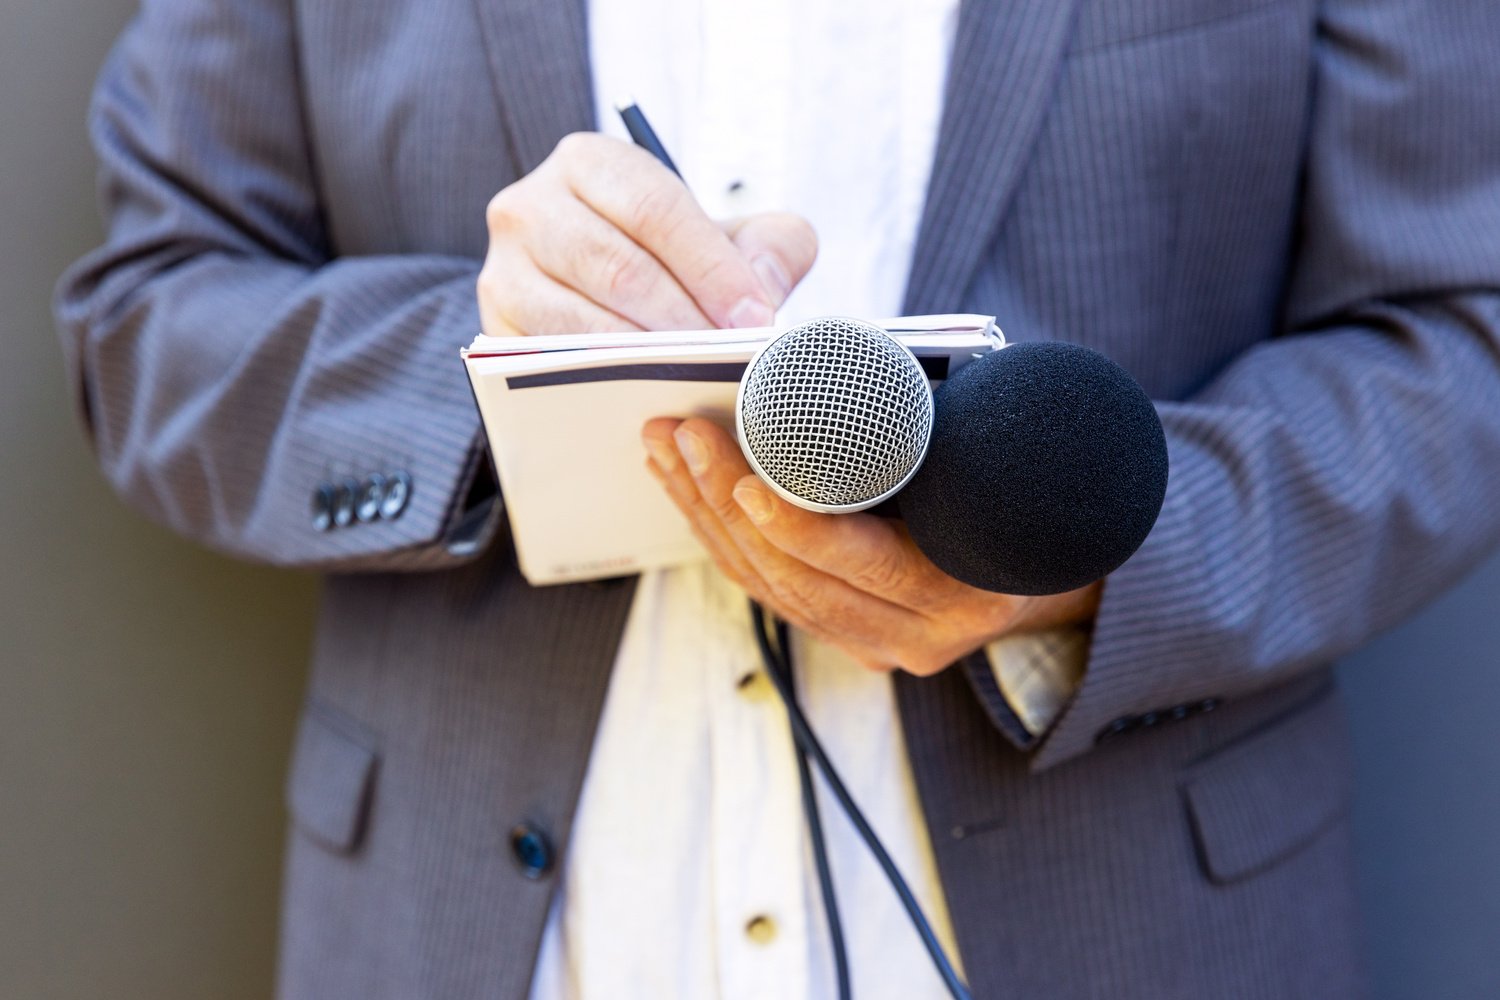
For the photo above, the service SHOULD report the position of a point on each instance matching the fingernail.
(777, 283)
(751, 311)
(692, 450)
(754, 502)
(662, 454)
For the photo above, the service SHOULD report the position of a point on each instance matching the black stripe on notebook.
(704, 371)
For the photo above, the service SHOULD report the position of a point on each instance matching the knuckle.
(879, 572)
(650, 211)
(793, 593)
(574, 146)
(624, 273)
(724, 508)
(705, 510)
(501, 215)
(718, 276)
(849, 621)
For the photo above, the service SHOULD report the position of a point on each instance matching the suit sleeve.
(227, 361)
(1333, 479)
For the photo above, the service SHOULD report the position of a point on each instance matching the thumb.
(780, 247)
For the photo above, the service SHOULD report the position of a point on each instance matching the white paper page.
(920, 325)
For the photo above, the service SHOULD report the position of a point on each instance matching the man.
(1282, 217)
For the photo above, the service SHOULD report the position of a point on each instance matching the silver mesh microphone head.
(834, 415)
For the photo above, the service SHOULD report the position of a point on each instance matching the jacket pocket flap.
(1271, 793)
(333, 767)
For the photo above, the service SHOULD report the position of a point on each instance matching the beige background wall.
(148, 690)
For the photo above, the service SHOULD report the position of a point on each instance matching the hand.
(602, 238)
(856, 581)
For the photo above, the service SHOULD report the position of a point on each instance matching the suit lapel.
(539, 59)
(1000, 80)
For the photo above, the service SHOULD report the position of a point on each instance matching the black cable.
(781, 666)
(807, 741)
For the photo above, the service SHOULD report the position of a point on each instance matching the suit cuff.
(1154, 652)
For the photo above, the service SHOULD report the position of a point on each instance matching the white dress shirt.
(689, 873)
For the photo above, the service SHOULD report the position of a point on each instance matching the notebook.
(563, 416)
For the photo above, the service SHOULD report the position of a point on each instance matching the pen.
(643, 134)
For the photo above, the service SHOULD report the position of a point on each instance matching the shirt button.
(761, 929)
(754, 686)
(1119, 727)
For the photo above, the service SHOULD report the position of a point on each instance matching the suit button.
(1150, 719)
(397, 493)
(1208, 704)
(1180, 712)
(344, 498)
(367, 505)
(322, 507)
(532, 849)
(1119, 727)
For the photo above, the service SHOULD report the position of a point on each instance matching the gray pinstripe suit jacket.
(1283, 217)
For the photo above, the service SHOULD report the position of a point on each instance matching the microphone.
(1045, 463)
(835, 415)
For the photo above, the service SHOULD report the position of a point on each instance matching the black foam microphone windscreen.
(1046, 470)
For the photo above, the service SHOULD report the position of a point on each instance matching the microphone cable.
(779, 669)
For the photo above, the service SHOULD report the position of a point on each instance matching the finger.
(780, 247)
(870, 552)
(516, 298)
(725, 553)
(588, 254)
(651, 205)
(666, 465)
(720, 547)
(715, 462)
(730, 561)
